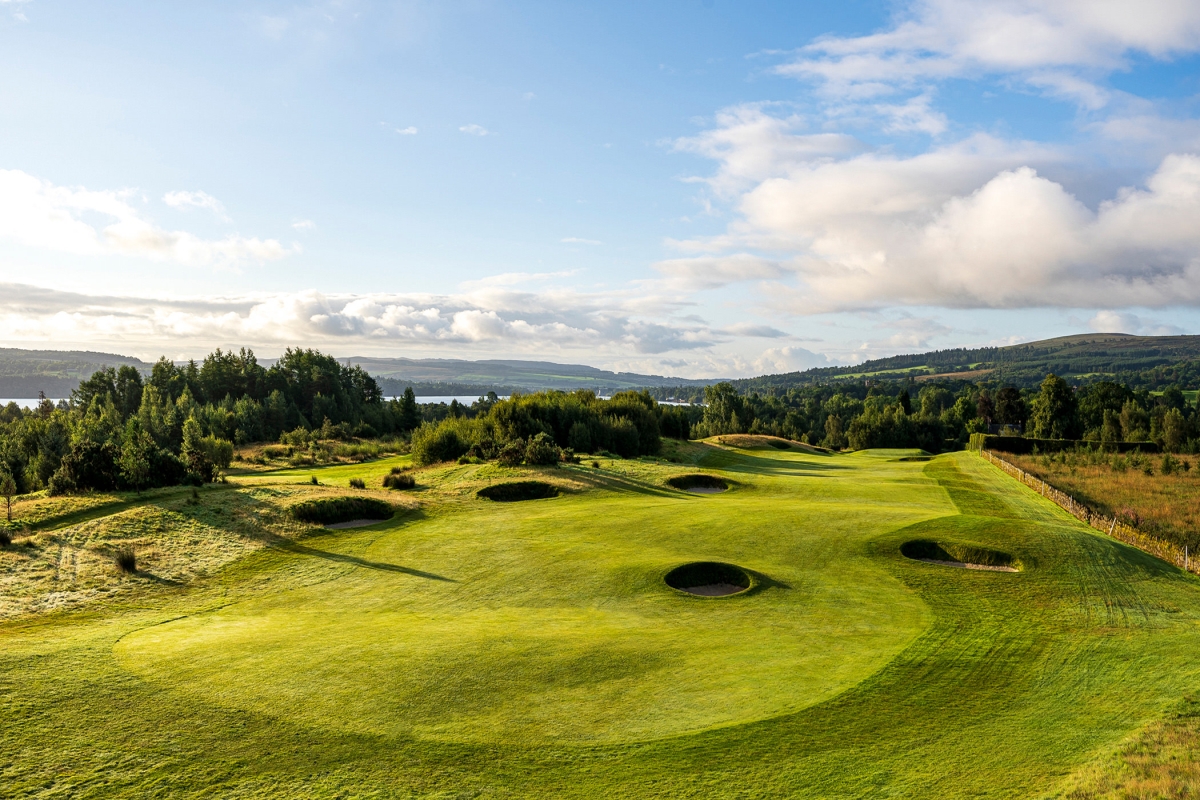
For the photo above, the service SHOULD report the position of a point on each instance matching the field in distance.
(475, 648)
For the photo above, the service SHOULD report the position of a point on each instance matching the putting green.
(554, 623)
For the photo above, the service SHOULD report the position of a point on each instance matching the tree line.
(537, 428)
(941, 415)
(180, 424)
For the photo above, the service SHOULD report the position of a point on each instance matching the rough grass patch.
(330, 510)
(518, 490)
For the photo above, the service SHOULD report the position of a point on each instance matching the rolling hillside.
(23, 373)
(1133, 359)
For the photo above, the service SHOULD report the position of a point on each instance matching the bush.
(432, 444)
(397, 481)
(512, 453)
(125, 557)
(542, 451)
(330, 510)
(357, 483)
(5, 538)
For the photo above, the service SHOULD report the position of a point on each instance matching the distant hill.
(1149, 361)
(1080, 359)
(449, 376)
(23, 373)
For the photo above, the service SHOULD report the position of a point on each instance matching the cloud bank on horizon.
(957, 176)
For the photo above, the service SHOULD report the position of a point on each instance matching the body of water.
(25, 402)
(465, 399)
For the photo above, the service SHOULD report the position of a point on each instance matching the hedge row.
(1020, 445)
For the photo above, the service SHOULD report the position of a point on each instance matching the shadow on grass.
(304, 550)
(600, 479)
(741, 461)
(762, 582)
(160, 497)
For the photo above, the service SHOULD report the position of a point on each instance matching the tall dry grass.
(1131, 488)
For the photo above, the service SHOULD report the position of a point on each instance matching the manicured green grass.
(476, 649)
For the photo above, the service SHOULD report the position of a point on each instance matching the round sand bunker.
(709, 579)
(517, 491)
(962, 556)
(698, 483)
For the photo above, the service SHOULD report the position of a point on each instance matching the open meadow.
(472, 648)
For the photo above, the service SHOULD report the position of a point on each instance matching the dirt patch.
(709, 579)
(354, 523)
(698, 483)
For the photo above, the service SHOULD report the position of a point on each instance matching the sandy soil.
(715, 589)
(965, 565)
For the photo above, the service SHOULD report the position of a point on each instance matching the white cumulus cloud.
(475, 130)
(36, 213)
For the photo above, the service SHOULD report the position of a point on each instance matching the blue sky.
(694, 188)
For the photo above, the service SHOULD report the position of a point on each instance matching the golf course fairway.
(469, 648)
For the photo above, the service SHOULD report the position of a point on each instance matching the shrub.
(512, 453)
(518, 490)
(313, 478)
(125, 557)
(595, 465)
(330, 510)
(5, 538)
(542, 451)
(357, 483)
(399, 481)
(435, 443)
(295, 438)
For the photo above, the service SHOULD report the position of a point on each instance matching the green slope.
(1083, 357)
(472, 649)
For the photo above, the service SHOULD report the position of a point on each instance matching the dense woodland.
(938, 416)
(180, 424)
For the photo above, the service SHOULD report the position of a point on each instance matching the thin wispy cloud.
(201, 200)
(475, 130)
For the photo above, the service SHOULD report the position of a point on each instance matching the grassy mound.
(928, 550)
(690, 483)
(518, 490)
(690, 577)
(330, 510)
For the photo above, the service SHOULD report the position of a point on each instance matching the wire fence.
(1172, 553)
